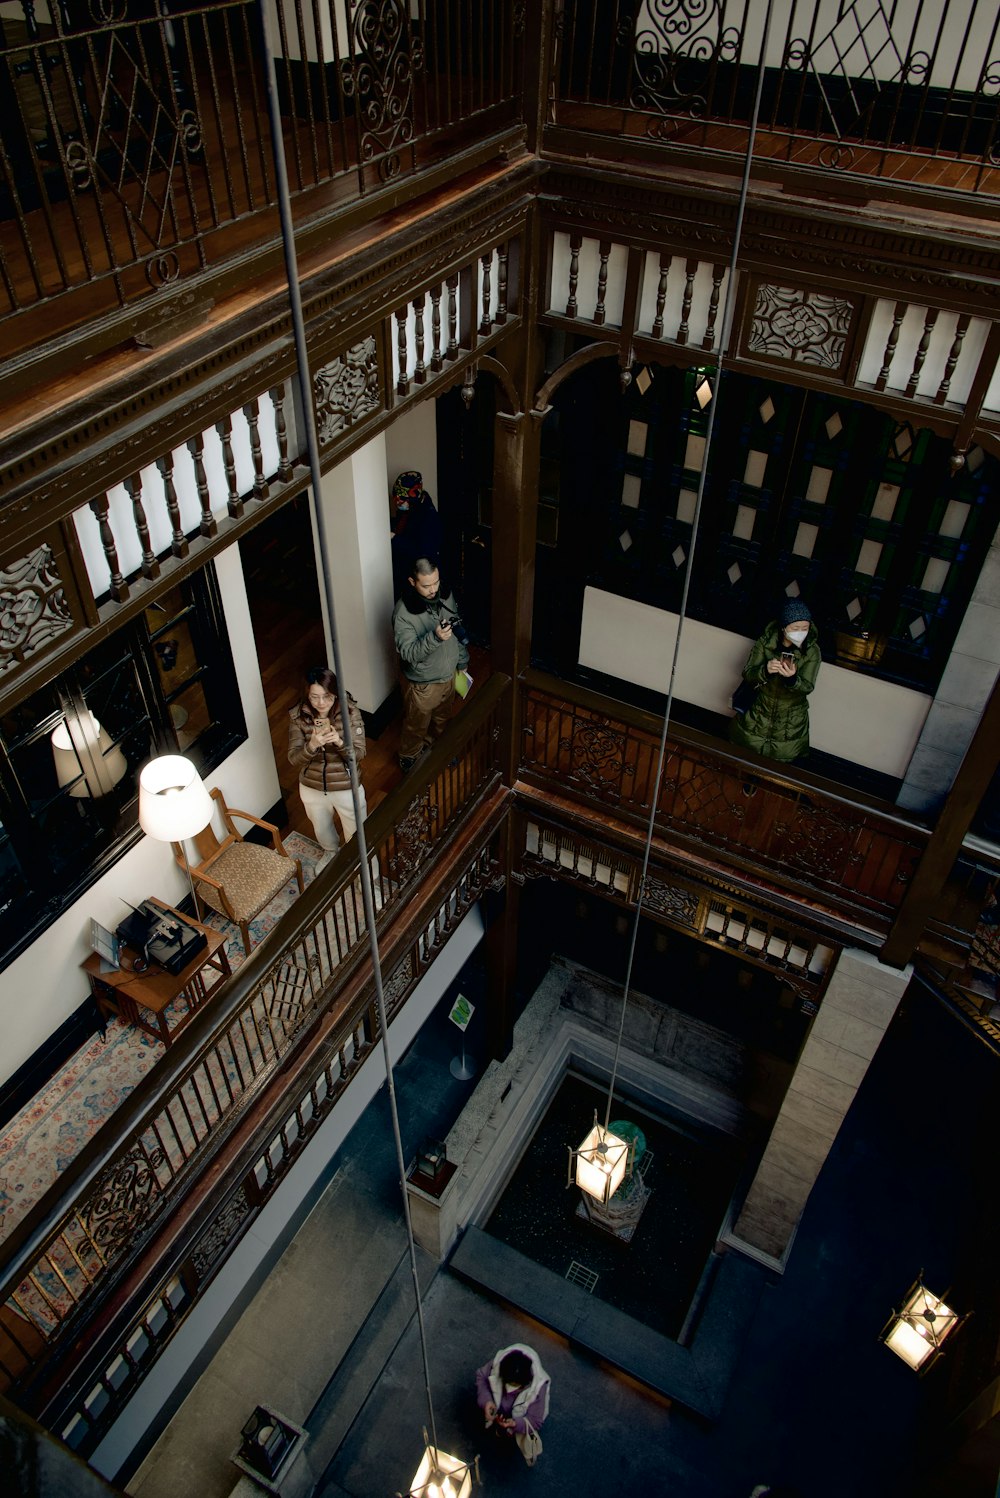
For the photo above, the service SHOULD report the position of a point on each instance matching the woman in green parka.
(782, 670)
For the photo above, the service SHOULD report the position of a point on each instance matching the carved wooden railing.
(71, 1286)
(798, 832)
(137, 149)
(851, 88)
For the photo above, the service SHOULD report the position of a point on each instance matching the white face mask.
(796, 635)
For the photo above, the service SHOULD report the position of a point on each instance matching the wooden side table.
(143, 998)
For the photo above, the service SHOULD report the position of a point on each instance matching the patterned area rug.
(52, 1129)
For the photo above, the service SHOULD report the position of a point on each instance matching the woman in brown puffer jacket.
(317, 749)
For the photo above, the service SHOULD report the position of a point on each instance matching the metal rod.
(727, 320)
(312, 446)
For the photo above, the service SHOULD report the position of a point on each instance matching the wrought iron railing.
(63, 1262)
(136, 148)
(802, 835)
(856, 86)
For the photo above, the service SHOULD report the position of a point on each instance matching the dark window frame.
(47, 890)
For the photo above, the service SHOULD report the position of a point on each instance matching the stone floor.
(812, 1399)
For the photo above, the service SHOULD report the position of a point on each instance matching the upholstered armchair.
(235, 877)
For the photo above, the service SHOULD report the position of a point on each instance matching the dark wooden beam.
(975, 773)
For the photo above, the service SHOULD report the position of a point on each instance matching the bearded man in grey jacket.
(431, 643)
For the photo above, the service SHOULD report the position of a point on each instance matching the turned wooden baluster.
(436, 360)
(118, 586)
(178, 540)
(487, 263)
(285, 466)
(961, 329)
(921, 354)
(452, 285)
(133, 487)
(403, 383)
(690, 271)
(420, 369)
(899, 312)
(718, 274)
(252, 413)
(196, 447)
(661, 296)
(576, 240)
(602, 281)
(225, 431)
(501, 316)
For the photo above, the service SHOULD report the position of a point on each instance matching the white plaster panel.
(870, 722)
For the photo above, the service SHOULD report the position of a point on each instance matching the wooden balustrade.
(136, 156)
(88, 1231)
(799, 830)
(878, 91)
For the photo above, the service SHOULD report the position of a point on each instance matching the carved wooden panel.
(799, 325)
(36, 604)
(346, 390)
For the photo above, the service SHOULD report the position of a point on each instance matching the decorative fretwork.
(140, 142)
(125, 1198)
(726, 921)
(680, 905)
(858, 861)
(221, 1232)
(33, 607)
(852, 64)
(801, 327)
(385, 60)
(597, 757)
(346, 390)
(411, 843)
(676, 46)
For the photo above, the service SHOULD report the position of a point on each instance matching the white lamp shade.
(85, 758)
(920, 1328)
(441, 1476)
(173, 801)
(600, 1164)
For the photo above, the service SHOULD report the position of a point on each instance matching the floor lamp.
(174, 805)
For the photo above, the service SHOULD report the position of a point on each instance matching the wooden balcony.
(138, 162)
(776, 868)
(857, 100)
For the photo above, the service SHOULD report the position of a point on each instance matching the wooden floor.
(288, 633)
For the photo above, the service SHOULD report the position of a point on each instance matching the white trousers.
(320, 807)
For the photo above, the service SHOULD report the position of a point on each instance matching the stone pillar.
(857, 1008)
(356, 517)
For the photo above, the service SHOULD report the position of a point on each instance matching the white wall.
(859, 718)
(356, 519)
(411, 442)
(44, 986)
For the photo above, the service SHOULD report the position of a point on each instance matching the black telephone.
(161, 936)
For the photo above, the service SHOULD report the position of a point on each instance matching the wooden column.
(971, 783)
(502, 910)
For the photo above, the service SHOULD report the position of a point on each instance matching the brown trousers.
(426, 710)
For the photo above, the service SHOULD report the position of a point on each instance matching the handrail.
(212, 1026)
(136, 153)
(804, 832)
(680, 733)
(844, 94)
